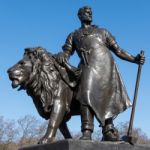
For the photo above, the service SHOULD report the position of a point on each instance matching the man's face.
(86, 15)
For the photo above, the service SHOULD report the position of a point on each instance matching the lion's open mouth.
(15, 81)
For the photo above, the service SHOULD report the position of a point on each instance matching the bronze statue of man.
(101, 91)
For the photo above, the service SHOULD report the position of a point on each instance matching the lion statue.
(51, 86)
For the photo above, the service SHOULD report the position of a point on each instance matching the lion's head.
(19, 74)
(36, 73)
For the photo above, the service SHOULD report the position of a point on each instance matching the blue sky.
(46, 23)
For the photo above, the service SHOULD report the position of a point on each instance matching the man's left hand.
(140, 59)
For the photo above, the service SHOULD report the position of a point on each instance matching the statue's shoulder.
(70, 36)
(103, 31)
(100, 29)
(77, 31)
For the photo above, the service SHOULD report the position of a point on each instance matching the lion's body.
(39, 75)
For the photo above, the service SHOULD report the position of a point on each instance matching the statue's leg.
(64, 130)
(56, 117)
(110, 133)
(87, 122)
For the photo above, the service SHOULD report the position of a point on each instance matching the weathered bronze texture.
(101, 91)
(60, 90)
(50, 88)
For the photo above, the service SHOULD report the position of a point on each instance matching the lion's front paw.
(46, 140)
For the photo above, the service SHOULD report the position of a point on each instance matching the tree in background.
(8, 134)
(28, 130)
(137, 132)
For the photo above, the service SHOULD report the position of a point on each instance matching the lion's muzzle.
(14, 76)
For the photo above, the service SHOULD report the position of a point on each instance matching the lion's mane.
(43, 83)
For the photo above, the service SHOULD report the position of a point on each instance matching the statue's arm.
(68, 49)
(114, 47)
(122, 53)
(138, 59)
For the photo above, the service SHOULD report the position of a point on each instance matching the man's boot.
(87, 123)
(110, 133)
(86, 135)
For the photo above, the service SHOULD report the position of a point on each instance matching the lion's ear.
(26, 51)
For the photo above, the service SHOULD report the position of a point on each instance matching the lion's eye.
(22, 63)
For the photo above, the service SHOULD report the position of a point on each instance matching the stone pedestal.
(86, 145)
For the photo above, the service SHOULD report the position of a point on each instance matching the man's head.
(85, 14)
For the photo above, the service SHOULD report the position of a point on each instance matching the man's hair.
(82, 9)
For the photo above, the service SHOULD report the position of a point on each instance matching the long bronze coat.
(100, 85)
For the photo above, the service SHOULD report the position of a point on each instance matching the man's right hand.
(61, 57)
